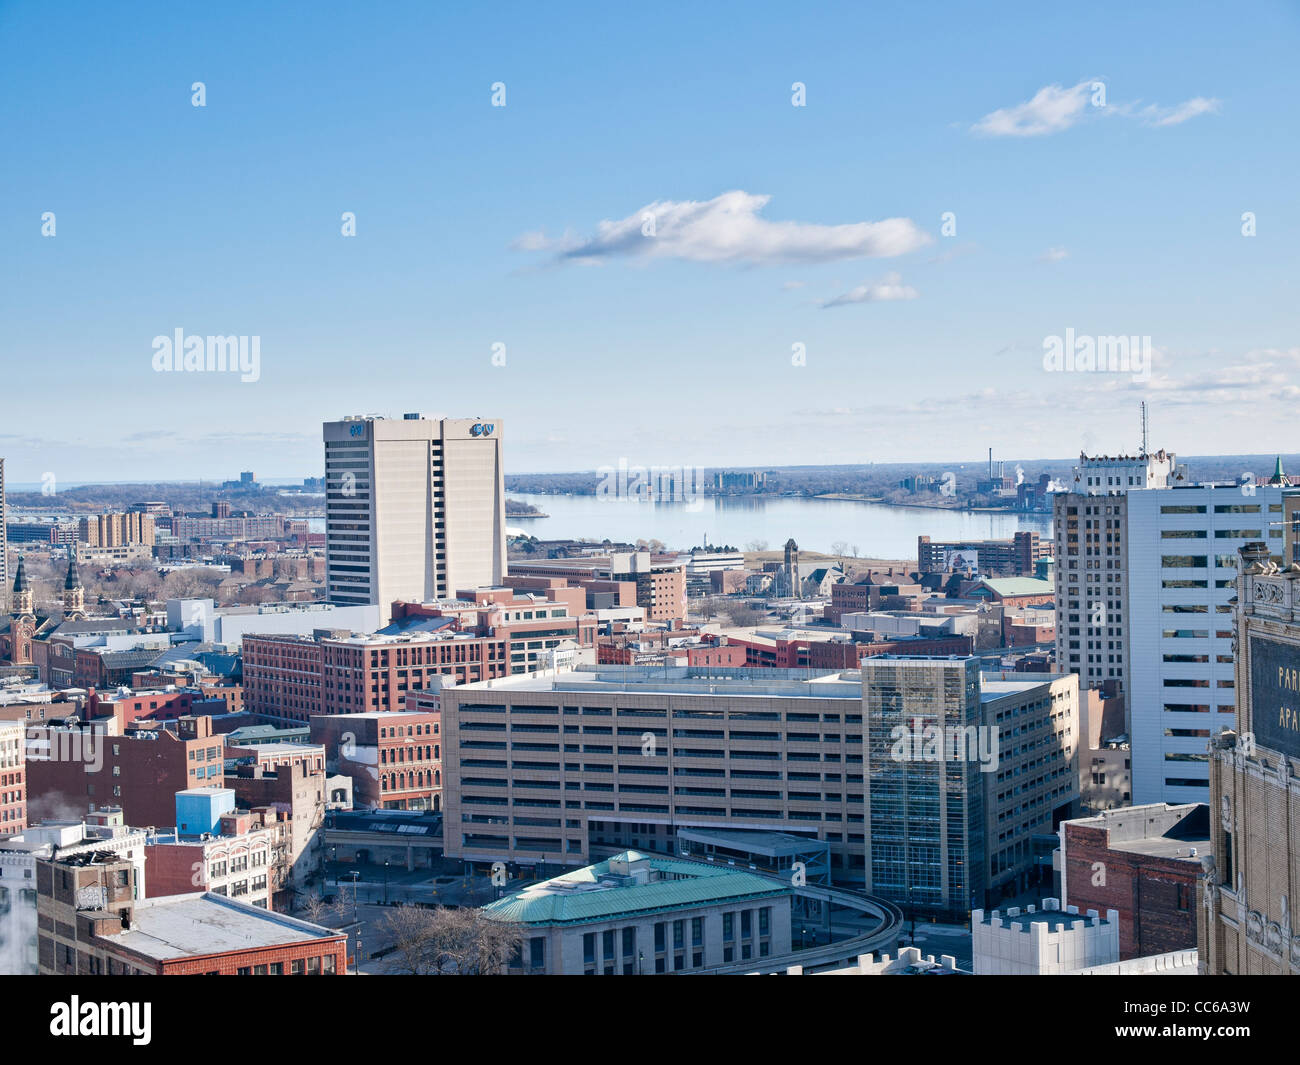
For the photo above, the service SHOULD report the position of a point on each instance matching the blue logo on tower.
(482, 429)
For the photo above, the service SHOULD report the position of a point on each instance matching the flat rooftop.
(263, 750)
(683, 680)
(1160, 830)
(186, 926)
(991, 688)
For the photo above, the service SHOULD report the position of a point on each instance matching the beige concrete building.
(414, 508)
(558, 768)
(117, 530)
(1248, 890)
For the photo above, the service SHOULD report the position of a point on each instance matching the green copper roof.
(683, 884)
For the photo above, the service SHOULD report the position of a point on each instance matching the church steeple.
(24, 603)
(1278, 476)
(74, 595)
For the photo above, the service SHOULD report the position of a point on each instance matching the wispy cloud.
(890, 287)
(1051, 110)
(1053, 255)
(729, 229)
(1054, 109)
(1154, 115)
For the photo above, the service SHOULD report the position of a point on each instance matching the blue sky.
(520, 225)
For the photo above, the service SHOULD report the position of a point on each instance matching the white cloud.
(1054, 109)
(1053, 255)
(1153, 115)
(728, 228)
(1051, 110)
(890, 287)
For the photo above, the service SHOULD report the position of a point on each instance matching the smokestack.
(990, 464)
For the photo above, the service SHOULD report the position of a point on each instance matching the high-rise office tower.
(414, 508)
(1179, 671)
(1091, 566)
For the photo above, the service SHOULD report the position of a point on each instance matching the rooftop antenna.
(1144, 429)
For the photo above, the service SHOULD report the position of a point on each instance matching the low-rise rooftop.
(181, 926)
(630, 883)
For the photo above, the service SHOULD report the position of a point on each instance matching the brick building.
(246, 858)
(658, 581)
(878, 590)
(291, 679)
(91, 923)
(1016, 557)
(140, 770)
(1142, 861)
(394, 759)
(681, 647)
(533, 622)
(297, 796)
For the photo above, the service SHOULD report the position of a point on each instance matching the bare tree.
(314, 907)
(422, 940)
(840, 547)
(340, 903)
(442, 940)
(744, 615)
(756, 545)
(496, 942)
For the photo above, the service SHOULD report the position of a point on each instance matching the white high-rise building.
(414, 508)
(1182, 571)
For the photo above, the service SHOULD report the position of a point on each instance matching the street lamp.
(640, 963)
(385, 881)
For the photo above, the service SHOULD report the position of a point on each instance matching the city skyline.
(818, 222)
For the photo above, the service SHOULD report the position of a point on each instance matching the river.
(876, 530)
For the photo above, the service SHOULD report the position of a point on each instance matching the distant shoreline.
(850, 497)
